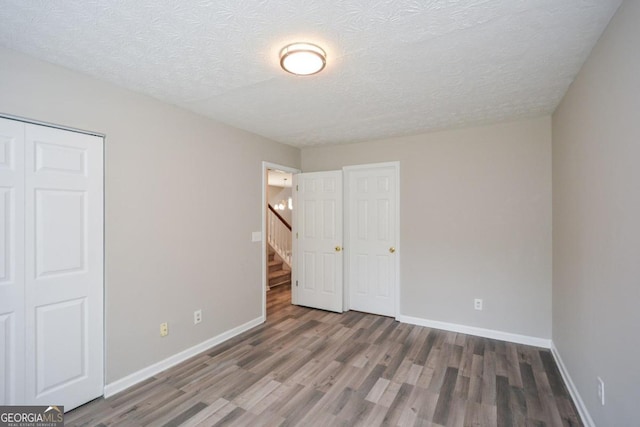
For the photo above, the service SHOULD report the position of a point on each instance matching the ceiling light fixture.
(303, 59)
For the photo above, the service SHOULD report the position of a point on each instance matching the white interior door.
(63, 266)
(318, 252)
(372, 238)
(12, 350)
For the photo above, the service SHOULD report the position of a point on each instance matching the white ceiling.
(276, 178)
(393, 67)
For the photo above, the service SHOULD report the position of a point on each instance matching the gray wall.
(170, 248)
(475, 209)
(596, 223)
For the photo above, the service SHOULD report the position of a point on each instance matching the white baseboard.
(141, 375)
(573, 391)
(481, 332)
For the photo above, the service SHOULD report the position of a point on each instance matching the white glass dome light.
(303, 59)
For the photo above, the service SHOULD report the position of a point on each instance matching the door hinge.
(296, 234)
(296, 187)
(296, 283)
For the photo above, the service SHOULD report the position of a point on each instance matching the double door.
(346, 238)
(51, 265)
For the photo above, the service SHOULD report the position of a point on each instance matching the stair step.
(275, 265)
(279, 277)
(279, 273)
(283, 281)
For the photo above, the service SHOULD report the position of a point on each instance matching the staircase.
(279, 272)
(279, 249)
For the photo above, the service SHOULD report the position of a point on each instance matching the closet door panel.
(12, 328)
(64, 266)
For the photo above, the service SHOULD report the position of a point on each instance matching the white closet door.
(64, 266)
(372, 238)
(12, 350)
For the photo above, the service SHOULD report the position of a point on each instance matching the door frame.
(263, 245)
(347, 244)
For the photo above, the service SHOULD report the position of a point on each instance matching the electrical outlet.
(601, 390)
(477, 304)
(197, 317)
(164, 329)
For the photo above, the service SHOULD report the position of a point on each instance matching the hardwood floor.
(314, 368)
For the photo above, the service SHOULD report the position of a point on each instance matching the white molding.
(481, 332)
(394, 163)
(51, 125)
(573, 391)
(141, 375)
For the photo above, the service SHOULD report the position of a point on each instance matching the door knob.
(392, 249)
(338, 248)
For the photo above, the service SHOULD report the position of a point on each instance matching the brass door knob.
(392, 249)
(338, 248)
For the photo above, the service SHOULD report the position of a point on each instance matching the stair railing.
(279, 234)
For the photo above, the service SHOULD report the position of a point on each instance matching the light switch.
(256, 236)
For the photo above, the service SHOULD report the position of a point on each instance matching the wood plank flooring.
(314, 368)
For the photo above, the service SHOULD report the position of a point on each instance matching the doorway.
(277, 217)
(363, 274)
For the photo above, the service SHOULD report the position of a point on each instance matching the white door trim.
(263, 245)
(51, 125)
(396, 166)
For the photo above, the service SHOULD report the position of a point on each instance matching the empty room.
(320, 213)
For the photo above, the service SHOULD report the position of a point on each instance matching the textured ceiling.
(393, 67)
